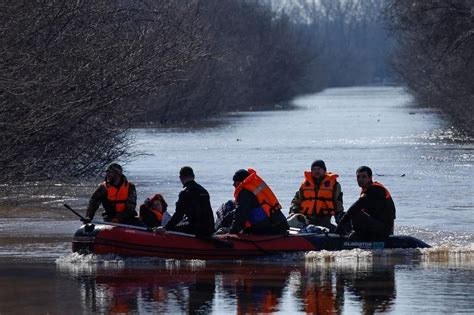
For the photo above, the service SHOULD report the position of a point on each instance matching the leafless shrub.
(349, 38)
(258, 58)
(435, 56)
(71, 71)
(75, 76)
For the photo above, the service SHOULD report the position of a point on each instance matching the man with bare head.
(373, 214)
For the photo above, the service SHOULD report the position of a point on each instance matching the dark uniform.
(194, 204)
(127, 216)
(246, 201)
(372, 215)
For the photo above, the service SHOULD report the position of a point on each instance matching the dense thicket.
(258, 57)
(435, 57)
(69, 71)
(350, 39)
(75, 75)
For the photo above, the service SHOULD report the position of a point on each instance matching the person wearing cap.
(153, 211)
(193, 214)
(319, 196)
(257, 208)
(117, 195)
(373, 214)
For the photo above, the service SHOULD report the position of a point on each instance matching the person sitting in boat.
(224, 217)
(153, 211)
(194, 206)
(257, 208)
(117, 195)
(373, 214)
(319, 197)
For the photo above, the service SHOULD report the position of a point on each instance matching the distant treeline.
(259, 54)
(75, 76)
(435, 56)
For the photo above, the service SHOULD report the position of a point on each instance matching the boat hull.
(130, 241)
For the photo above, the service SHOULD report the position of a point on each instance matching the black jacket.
(374, 203)
(194, 204)
(246, 201)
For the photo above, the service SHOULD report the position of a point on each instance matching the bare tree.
(76, 76)
(435, 56)
(351, 39)
(258, 57)
(71, 72)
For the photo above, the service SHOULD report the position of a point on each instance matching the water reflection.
(375, 290)
(319, 292)
(147, 290)
(242, 288)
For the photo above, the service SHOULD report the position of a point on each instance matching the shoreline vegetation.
(77, 76)
(433, 56)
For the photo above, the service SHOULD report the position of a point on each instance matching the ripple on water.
(442, 255)
(85, 264)
(437, 237)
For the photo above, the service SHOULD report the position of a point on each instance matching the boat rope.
(255, 243)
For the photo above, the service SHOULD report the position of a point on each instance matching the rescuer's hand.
(86, 220)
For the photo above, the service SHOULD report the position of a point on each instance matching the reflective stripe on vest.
(387, 193)
(322, 202)
(117, 196)
(265, 196)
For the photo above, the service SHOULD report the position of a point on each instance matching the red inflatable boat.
(126, 240)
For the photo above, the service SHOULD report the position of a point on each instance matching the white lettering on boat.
(372, 245)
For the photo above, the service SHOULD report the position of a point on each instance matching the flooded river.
(427, 168)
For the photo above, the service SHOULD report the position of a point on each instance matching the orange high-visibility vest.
(157, 213)
(322, 202)
(117, 196)
(319, 300)
(387, 193)
(265, 196)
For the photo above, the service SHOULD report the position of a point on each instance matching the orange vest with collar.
(387, 193)
(318, 200)
(265, 196)
(117, 196)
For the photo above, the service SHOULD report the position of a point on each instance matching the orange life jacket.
(265, 196)
(157, 213)
(387, 193)
(319, 300)
(117, 196)
(323, 202)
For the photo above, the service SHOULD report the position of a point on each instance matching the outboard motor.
(83, 240)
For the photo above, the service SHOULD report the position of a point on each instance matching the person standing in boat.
(373, 214)
(319, 197)
(153, 211)
(117, 195)
(257, 208)
(194, 206)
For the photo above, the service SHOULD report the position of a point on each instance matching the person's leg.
(149, 219)
(133, 221)
(324, 221)
(280, 228)
(183, 228)
(366, 227)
